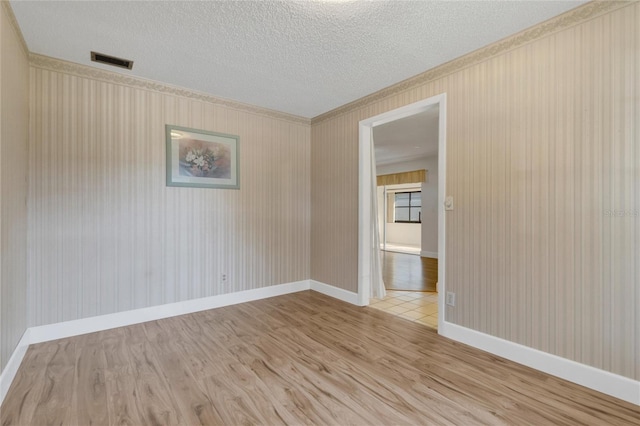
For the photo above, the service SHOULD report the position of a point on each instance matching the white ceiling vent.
(111, 60)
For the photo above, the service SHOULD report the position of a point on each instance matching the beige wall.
(334, 202)
(107, 235)
(14, 127)
(542, 142)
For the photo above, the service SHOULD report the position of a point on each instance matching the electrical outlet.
(223, 279)
(451, 298)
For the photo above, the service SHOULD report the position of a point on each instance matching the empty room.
(199, 198)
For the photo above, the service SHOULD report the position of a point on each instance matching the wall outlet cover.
(451, 298)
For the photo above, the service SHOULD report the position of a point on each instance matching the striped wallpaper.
(107, 235)
(543, 161)
(543, 158)
(14, 127)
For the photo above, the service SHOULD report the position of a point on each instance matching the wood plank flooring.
(401, 271)
(302, 358)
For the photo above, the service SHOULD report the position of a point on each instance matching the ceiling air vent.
(111, 60)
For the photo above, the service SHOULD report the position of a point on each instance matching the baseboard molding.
(335, 292)
(12, 366)
(602, 381)
(45, 333)
(64, 329)
(430, 254)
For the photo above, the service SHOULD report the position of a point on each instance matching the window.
(408, 207)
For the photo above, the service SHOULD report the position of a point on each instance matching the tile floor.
(417, 306)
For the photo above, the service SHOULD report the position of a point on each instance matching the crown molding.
(78, 70)
(568, 19)
(14, 23)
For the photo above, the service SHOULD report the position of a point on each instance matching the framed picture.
(202, 159)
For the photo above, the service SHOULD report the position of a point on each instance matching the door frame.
(364, 192)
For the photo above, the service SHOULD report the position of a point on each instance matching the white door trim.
(364, 192)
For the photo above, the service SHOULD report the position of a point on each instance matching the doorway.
(366, 129)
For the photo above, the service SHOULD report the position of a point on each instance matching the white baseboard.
(430, 254)
(335, 292)
(64, 329)
(45, 333)
(600, 380)
(12, 366)
(603, 381)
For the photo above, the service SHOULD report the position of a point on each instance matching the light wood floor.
(302, 358)
(401, 271)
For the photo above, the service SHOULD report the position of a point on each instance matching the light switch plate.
(448, 203)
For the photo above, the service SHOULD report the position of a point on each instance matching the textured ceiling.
(409, 138)
(303, 58)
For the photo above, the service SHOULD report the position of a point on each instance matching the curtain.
(377, 284)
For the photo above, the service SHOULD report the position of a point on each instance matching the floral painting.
(199, 158)
(204, 159)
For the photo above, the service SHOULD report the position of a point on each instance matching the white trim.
(602, 381)
(335, 292)
(9, 372)
(364, 219)
(364, 190)
(429, 254)
(442, 188)
(64, 329)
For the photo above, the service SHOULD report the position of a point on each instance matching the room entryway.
(418, 276)
(372, 155)
(406, 147)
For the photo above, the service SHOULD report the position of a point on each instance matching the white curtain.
(377, 284)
